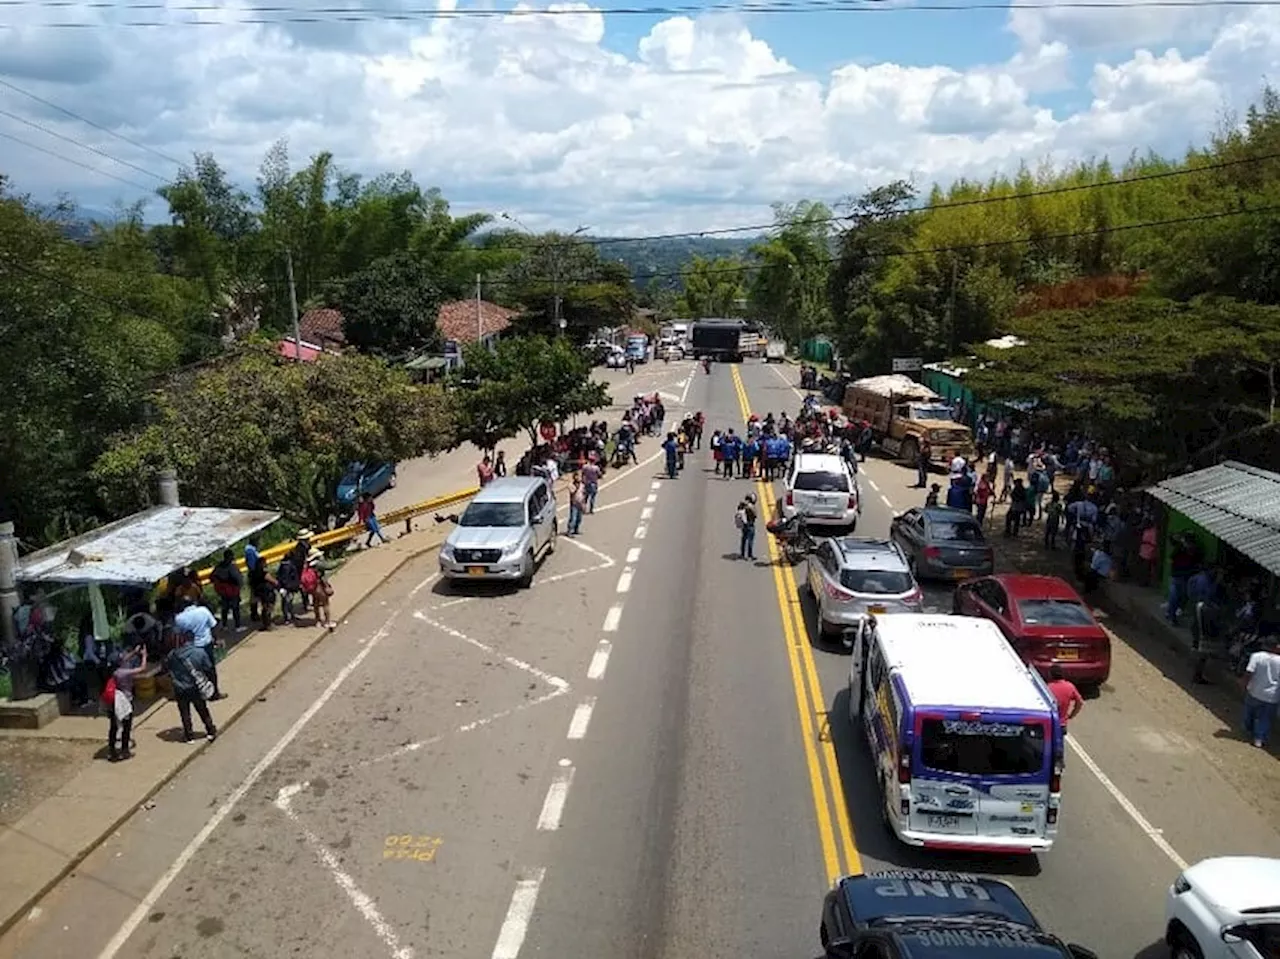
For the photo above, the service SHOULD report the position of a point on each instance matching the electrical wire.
(97, 126)
(279, 15)
(67, 159)
(83, 146)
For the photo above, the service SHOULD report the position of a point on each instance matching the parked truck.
(775, 351)
(720, 340)
(902, 414)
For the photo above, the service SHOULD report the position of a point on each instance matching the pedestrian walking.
(197, 622)
(316, 583)
(289, 580)
(745, 519)
(117, 696)
(262, 587)
(672, 449)
(1262, 692)
(578, 505)
(250, 562)
(982, 495)
(1068, 697)
(923, 458)
(300, 551)
(485, 472)
(190, 670)
(368, 516)
(1052, 520)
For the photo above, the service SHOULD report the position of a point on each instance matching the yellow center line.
(819, 751)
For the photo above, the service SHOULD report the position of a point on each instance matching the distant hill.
(646, 257)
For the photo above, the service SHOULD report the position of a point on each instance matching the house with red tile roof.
(466, 321)
(323, 327)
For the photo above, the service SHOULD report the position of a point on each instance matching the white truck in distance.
(775, 351)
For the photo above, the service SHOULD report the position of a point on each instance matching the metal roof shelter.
(142, 549)
(1238, 504)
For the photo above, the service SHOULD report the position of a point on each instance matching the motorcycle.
(793, 536)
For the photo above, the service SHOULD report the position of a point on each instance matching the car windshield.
(943, 531)
(932, 413)
(1054, 612)
(878, 581)
(493, 514)
(822, 482)
(982, 748)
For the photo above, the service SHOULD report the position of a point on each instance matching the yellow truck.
(902, 413)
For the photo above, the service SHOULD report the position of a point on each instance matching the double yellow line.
(839, 851)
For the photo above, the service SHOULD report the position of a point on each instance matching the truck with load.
(719, 339)
(902, 414)
(775, 351)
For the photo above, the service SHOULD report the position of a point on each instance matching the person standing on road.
(189, 669)
(368, 516)
(199, 623)
(500, 464)
(1052, 520)
(318, 586)
(591, 483)
(1070, 702)
(745, 519)
(289, 579)
(923, 459)
(672, 449)
(577, 506)
(982, 494)
(1262, 692)
(485, 472)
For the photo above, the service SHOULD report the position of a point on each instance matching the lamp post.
(554, 247)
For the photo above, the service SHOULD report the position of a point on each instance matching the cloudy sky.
(683, 118)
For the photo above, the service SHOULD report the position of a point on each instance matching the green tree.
(789, 293)
(713, 288)
(522, 382)
(258, 432)
(391, 307)
(592, 293)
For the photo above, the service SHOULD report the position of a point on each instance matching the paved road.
(631, 759)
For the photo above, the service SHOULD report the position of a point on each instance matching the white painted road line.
(148, 902)
(553, 805)
(651, 498)
(581, 718)
(655, 485)
(516, 924)
(605, 560)
(872, 484)
(646, 513)
(612, 619)
(614, 505)
(1152, 833)
(624, 581)
(551, 680)
(633, 554)
(641, 531)
(885, 500)
(600, 660)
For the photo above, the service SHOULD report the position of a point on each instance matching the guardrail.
(332, 537)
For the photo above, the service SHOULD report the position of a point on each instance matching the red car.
(1045, 620)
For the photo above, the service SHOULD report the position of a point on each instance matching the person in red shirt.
(1070, 702)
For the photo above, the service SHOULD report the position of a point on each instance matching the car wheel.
(909, 452)
(1185, 947)
(527, 579)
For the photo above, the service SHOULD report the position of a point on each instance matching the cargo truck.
(902, 414)
(775, 351)
(719, 339)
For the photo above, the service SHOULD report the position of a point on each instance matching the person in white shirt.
(1262, 692)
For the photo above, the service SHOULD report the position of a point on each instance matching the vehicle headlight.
(446, 551)
(1180, 885)
(511, 549)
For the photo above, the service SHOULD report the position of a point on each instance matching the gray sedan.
(943, 543)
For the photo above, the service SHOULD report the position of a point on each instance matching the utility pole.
(479, 314)
(293, 306)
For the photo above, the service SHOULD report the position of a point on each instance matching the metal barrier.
(332, 537)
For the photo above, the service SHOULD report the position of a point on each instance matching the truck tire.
(909, 451)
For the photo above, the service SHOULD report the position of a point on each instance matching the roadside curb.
(74, 861)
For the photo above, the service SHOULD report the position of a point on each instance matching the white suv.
(1225, 908)
(822, 488)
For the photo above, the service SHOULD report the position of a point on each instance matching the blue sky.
(628, 124)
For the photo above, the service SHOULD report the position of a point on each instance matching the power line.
(67, 159)
(97, 126)
(266, 16)
(83, 146)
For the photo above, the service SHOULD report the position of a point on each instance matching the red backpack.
(310, 581)
(108, 696)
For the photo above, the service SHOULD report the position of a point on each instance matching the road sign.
(908, 364)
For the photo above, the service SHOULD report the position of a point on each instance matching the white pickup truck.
(775, 351)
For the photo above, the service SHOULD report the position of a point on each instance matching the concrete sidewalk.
(51, 840)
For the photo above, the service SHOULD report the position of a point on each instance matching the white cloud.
(701, 124)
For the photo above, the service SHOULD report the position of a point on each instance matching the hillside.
(644, 258)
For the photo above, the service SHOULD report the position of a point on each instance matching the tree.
(713, 288)
(592, 293)
(391, 307)
(258, 432)
(1173, 381)
(788, 294)
(523, 382)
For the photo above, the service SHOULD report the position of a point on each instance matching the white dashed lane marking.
(600, 660)
(624, 581)
(633, 554)
(581, 718)
(557, 795)
(612, 619)
(516, 924)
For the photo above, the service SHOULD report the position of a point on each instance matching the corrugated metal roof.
(1237, 503)
(143, 549)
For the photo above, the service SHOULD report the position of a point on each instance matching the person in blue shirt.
(199, 623)
(732, 446)
(250, 561)
(672, 448)
(750, 454)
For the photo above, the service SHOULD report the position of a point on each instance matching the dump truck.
(719, 339)
(902, 413)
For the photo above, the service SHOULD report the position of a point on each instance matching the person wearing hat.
(301, 550)
(316, 585)
(745, 519)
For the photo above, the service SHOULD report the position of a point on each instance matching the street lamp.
(558, 323)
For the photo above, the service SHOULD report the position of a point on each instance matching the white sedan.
(616, 360)
(1225, 908)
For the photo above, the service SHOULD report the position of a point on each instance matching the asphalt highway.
(642, 756)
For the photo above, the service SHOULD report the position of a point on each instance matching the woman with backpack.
(316, 585)
(745, 519)
(190, 671)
